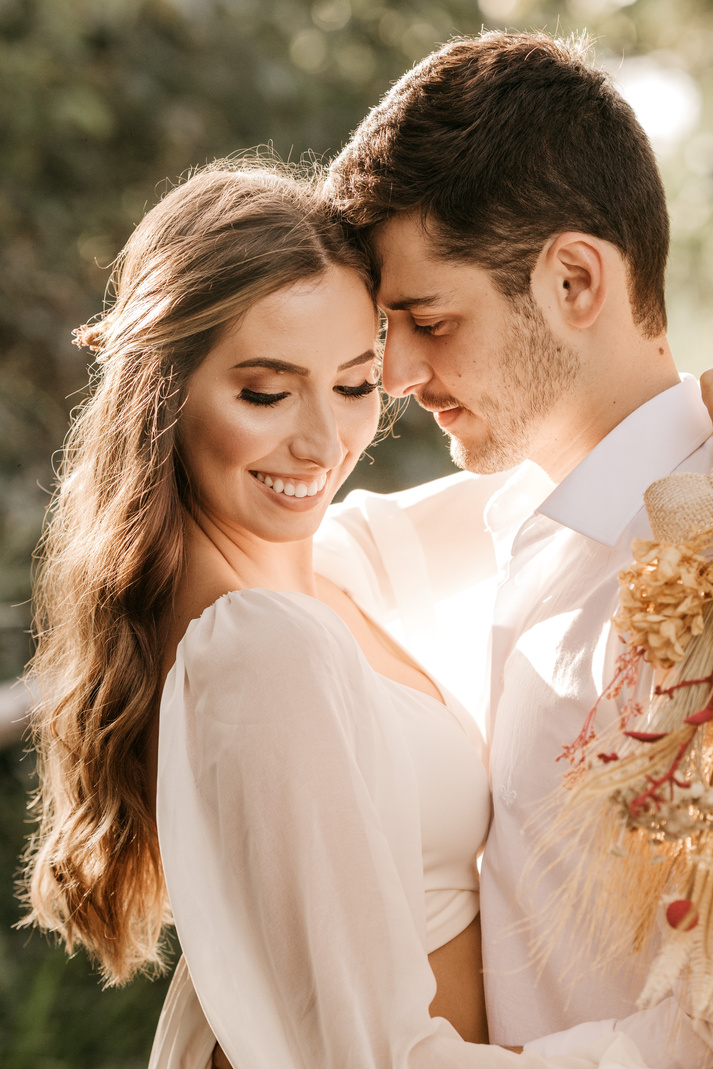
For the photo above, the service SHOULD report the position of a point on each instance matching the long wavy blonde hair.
(112, 550)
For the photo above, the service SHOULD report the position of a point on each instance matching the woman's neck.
(225, 560)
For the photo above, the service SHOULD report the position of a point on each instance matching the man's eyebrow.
(296, 369)
(408, 303)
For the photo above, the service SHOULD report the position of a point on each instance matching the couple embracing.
(229, 736)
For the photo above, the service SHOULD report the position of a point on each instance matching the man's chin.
(486, 458)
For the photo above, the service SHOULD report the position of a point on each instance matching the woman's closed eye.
(266, 400)
(363, 390)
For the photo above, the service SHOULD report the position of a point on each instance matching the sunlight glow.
(666, 100)
(499, 10)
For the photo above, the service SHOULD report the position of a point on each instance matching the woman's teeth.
(292, 488)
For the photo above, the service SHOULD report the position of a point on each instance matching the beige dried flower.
(662, 597)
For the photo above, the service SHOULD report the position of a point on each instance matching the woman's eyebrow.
(296, 369)
(362, 359)
(273, 365)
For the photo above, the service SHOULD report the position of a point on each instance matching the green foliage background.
(100, 101)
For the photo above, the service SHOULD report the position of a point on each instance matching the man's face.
(487, 366)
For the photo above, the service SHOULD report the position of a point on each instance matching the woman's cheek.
(372, 424)
(363, 425)
(238, 440)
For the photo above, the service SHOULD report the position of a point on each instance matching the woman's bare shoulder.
(189, 604)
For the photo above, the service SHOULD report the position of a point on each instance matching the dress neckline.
(444, 703)
(386, 635)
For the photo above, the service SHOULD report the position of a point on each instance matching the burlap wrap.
(679, 505)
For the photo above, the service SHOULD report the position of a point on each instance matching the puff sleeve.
(289, 833)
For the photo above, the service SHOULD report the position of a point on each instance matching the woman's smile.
(282, 407)
(293, 490)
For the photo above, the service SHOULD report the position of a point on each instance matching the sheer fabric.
(290, 821)
(557, 552)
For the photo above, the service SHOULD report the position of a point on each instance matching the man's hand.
(707, 390)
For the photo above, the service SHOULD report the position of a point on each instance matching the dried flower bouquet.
(640, 805)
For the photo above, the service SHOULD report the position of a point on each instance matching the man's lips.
(445, 410)
(446, 417)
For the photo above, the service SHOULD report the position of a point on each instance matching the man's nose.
(404, 369)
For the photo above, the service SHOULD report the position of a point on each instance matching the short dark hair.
(500, 142)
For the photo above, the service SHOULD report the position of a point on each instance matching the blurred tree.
(100, 100)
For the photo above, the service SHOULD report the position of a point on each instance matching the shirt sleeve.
(401, 553)
(289, 834)
(665, 1035)
(421, 562)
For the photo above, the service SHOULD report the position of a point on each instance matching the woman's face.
(282, 407)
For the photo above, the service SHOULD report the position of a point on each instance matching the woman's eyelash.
(358, 391)
(268, 400)
(264, 399)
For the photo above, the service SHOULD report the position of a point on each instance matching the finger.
(707, 390)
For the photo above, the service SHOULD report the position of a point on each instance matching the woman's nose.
(317, 438)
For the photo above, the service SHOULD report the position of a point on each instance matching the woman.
(319, 802)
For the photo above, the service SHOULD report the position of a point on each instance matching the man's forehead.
(403, 233)
(412, 276)
(408, 268)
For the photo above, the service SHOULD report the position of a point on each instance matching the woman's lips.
(290, 501)
(291, 485)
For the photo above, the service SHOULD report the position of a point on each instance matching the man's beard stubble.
(537, 370)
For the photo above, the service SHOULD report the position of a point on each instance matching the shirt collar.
(602, 495)
(512, 504)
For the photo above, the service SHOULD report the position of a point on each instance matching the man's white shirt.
(438, 563)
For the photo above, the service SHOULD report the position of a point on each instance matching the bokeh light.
(666, 99)
(100, 100)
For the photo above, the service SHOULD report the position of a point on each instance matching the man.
(519, 234)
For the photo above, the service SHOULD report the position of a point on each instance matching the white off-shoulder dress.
(318, 825)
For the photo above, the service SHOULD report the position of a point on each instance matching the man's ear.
(571, 277)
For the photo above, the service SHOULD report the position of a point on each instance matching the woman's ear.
(570, 278)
